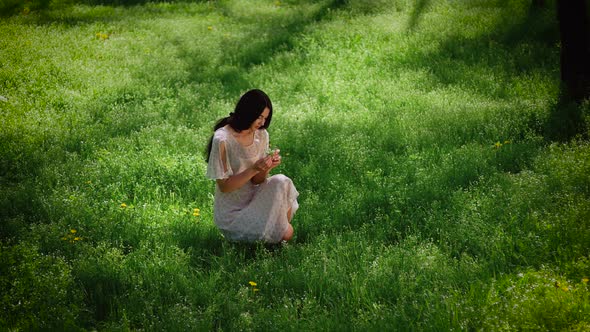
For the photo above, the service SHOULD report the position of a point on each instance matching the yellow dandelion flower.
(196, 212)
(102, 36)
(252, 283)
(123, 205)
(565, 288)
(77, 238)
(73, 231)
(585, 280)
(507, 142)
(498, 145)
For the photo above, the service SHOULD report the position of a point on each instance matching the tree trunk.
(575, 47)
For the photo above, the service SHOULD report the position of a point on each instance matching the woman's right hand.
(263, 164)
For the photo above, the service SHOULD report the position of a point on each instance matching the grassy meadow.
(432, 197)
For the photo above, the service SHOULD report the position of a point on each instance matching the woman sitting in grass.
(249, 205)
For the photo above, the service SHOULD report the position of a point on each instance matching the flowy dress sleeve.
(219, 166)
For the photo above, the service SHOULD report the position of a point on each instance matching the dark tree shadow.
(566, 120)
(14, 7)
(417, 13)
(524, 47)
(494, 50)
(254, 48)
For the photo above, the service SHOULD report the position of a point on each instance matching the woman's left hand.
(276, 159)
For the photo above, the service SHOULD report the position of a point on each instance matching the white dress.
(252, 212)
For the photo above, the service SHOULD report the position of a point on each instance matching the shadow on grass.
(274, 35)
(20, 206)
(417, 13)
(497, 65)
(128, 3)
(510, 49)
(45, 9)
(567, 120)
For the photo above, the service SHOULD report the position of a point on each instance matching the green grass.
(387, 113)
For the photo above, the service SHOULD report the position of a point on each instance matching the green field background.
(435, 194)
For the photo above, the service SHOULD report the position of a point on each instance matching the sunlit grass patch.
(514, 303)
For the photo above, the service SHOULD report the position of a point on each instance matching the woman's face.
(261, 120)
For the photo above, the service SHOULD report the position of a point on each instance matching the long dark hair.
(248, 109)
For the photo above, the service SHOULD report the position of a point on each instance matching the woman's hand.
(275, 159)
(263, 164)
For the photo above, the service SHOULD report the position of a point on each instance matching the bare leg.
(288, 233)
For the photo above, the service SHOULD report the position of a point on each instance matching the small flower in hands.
(276, 160)
(263, 164)
(272, 151)
(274, 156)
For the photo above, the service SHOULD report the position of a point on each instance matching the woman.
(249, 205)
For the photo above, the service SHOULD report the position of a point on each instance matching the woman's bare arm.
(236, 181)
(275, 161)
(260, 177)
